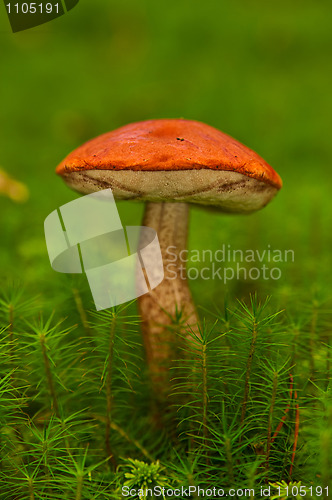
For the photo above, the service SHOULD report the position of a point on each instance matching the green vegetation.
(252, 406)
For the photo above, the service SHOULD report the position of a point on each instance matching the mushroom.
(168, 164)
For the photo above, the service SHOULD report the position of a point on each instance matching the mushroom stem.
(168, 308)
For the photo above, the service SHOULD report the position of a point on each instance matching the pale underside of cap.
(226, 190)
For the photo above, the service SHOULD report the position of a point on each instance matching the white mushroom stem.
(161, 306)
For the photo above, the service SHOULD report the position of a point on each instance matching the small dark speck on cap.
(179, 139)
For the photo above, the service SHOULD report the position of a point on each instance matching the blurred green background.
(260, 71)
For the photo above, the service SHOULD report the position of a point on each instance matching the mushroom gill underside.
(228, 191)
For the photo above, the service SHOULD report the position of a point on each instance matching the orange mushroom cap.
(173, 161)
(170, 144)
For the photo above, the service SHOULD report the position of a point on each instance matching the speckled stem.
(160, 307)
